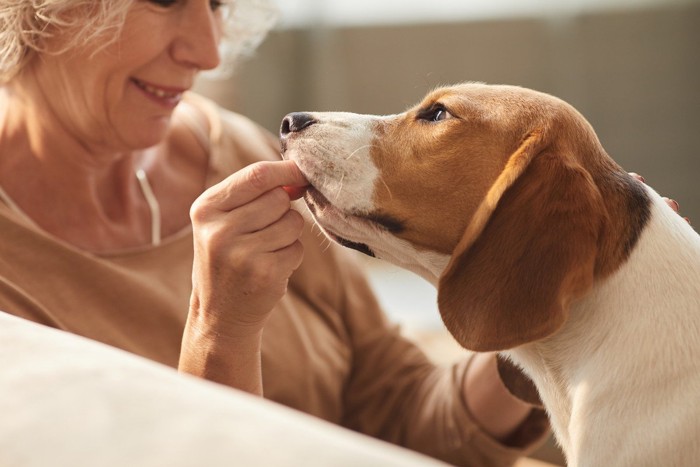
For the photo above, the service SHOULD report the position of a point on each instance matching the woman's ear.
(530, 249)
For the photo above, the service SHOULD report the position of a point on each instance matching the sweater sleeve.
(397, 394)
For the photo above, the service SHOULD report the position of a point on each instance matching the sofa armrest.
(67, 400)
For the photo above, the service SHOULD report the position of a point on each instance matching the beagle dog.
(540, 247)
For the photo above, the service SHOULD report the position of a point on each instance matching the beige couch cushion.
(67, 400)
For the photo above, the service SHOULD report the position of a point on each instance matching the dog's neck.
(597, 364)
(427, 264)
(628, 208)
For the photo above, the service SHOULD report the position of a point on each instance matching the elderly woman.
(138, 214)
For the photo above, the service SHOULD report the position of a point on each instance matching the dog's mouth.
(361, 247)
(320, 207)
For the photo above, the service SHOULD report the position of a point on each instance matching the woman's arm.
(493, 406)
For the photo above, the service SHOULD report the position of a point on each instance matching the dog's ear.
(528, 251)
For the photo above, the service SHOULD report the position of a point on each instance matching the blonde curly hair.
(26, 24)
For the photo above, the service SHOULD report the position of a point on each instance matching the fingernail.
(677, 206)
(637, 176)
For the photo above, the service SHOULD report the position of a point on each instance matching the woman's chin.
(149, 134)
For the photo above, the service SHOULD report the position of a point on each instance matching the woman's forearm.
(493, 407)
(235, 362)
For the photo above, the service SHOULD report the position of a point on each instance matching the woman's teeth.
(156, 91)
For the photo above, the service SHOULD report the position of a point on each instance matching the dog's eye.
(440, 114)
(434, 113)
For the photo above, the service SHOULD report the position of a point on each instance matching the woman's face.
(122, 96)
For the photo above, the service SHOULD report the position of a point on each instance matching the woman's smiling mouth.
(168, 97)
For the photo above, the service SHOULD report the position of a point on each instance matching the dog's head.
(486, 191)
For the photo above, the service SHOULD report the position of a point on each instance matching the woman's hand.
(673, 204)
(246, 246)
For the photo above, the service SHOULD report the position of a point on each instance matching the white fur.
(425, 263)
(334, 155)
(621, 380)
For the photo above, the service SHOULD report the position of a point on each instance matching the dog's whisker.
(326, 243)
(391, 196)
(357, 150)
(340, 187)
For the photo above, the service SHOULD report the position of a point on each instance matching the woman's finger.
(673, 204)
(278, 235)
(638, 177)
(252, 181)
(259, 213)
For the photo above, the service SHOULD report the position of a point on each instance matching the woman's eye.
(216, 4)
(213, 4)
(164, 3)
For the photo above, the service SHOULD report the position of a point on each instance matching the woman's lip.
(167, 96)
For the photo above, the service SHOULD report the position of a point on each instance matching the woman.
(105, 155)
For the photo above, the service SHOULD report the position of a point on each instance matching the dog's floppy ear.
(528, 251)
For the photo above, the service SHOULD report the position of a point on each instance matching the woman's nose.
(198, 37)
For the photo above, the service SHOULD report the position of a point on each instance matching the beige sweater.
(328, 350)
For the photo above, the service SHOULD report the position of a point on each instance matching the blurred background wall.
(632, 70)
(632, 67)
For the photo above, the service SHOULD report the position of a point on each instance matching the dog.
(541, 247)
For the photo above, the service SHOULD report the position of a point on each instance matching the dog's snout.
(296, 122)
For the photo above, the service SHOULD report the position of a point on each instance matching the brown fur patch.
(426, 166)
(513, 283)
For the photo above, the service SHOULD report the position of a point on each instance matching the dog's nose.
(295, 122)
